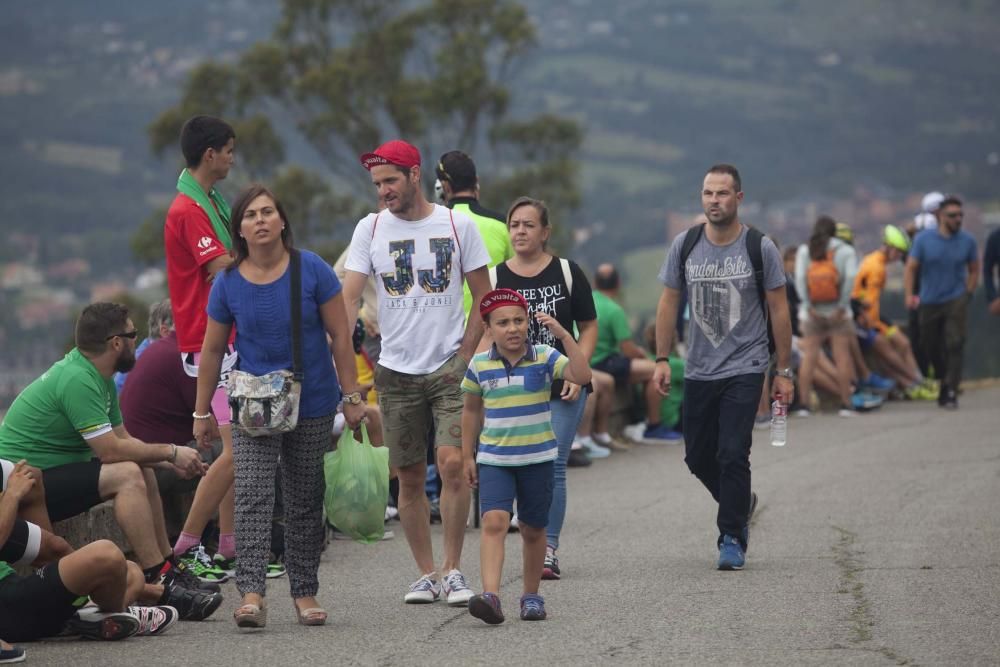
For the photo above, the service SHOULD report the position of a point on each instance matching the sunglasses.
(124, 334)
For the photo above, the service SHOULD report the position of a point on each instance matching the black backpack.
(753, 243)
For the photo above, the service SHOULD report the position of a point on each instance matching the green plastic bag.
(357, 487)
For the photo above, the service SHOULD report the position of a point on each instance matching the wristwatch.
(353, 398)
(785, 373)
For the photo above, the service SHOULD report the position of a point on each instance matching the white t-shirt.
(418, 269)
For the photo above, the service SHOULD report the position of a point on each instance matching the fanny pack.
(269, 404)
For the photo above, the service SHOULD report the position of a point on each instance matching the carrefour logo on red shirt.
(207, 245)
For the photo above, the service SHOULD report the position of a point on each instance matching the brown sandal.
(251, 616)
(311, 616)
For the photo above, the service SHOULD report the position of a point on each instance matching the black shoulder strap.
(690, 241)
(296, 295)
(754, 240)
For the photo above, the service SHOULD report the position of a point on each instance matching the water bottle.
(779, 422)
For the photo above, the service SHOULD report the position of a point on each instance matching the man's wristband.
(659, 359)
(204, 416)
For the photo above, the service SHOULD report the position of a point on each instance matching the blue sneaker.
(878, 383)
(863, 401)
(661, 434)
(731, 555)
(532, 607)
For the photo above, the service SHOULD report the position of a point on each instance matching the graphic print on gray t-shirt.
(729, 336)
(716, 303)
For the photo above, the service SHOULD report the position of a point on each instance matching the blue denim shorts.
(530, 484)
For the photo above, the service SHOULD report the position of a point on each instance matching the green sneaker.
(200, 564)
(227, 565)
(275, 569)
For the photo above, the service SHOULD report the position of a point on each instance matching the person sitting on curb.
(618, 355)
(49, 602)
(68, 423)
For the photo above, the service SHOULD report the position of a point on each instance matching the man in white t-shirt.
(419, 253)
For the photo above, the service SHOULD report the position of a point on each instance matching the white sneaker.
(634, 431)
(594, 450)
(423, 591)
(456, 589)
(154, 620)
(846, 412)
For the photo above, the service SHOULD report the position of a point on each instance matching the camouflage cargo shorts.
(412, 404)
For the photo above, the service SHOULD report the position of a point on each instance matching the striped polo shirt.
(517, 429)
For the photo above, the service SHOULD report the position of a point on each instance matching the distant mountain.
(805, 97)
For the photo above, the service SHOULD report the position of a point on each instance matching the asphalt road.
(877, 542)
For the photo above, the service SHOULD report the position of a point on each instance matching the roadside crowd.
(454, 337)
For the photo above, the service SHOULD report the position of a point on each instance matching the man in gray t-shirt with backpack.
(735, 283)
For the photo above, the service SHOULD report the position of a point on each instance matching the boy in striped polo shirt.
(510, 383)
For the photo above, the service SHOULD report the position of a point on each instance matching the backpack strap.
(567, 275)
(371, 265)
(690, 241)
(754, 241)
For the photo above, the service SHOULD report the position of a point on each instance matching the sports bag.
(823, 280)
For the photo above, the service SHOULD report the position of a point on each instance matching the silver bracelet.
(197, 416)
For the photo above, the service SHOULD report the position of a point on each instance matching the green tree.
(350, 74)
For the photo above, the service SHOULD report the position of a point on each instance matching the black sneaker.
(193, 605)
(948, 398)
(178, 573)
(578, 459)
(97, 625)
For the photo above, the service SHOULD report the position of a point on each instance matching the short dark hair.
(201, 133)
(723, 168)
(458, 169)
(950, 200)
(96, 323)
(606, 280)
(240, 250)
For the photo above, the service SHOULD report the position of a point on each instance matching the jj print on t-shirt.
(433, 281)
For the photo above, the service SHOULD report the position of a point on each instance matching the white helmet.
(438, 191)
(931, 202)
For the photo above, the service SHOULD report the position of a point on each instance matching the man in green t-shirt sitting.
(68, 424)
(618, 355)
